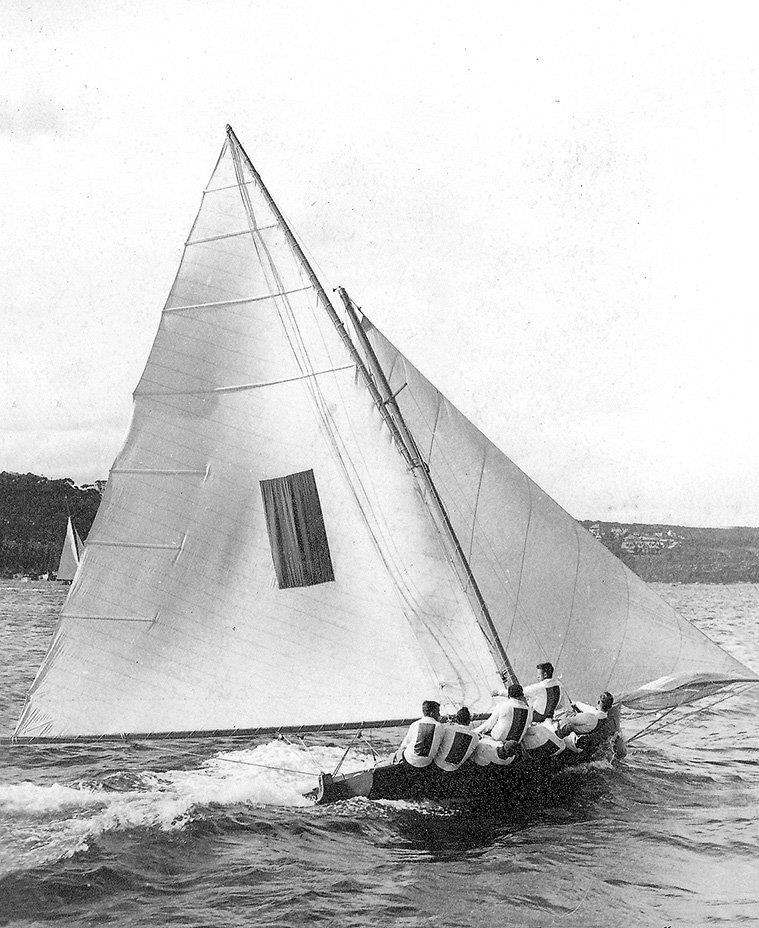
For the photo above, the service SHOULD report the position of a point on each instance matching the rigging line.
(686, 715)
(650, 725)
(340, 762)
(250, 763)
(310, 753)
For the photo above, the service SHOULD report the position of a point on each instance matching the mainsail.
(70, 553)
(264, 558)
(555, 592)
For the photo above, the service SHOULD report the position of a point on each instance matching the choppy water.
(193, 834)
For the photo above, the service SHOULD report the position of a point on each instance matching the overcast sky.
(550, 208)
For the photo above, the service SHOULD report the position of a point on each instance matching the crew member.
(423, 738)
(547, 696)
(509, 719)
(541, 742)
(589, 728)
(490, 751)
(458, 742)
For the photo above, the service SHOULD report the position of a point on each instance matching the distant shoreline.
(680, 554)
(34, 513)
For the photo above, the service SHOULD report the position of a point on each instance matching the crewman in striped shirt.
(547, 696)
(423, 738)
(458, 742)
(509, 719)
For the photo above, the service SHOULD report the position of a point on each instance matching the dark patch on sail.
(297, 536)
(424, 737)
(518, 725)
(459, 747)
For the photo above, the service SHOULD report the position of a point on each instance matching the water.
(193, 834)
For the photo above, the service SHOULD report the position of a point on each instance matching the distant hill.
(679, 554)
(33, 515)
(34, 510)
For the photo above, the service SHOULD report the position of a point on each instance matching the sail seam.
(241, 183)
(574, 595)
(236, 388)
(477, 501)
(147, 470)
(110, 618)
(133, 544)
(245, 299)
(218, 238)
(524, 555)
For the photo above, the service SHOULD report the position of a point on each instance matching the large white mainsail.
(176, 621)
(554, 592)
(70, 552)
(181, 618)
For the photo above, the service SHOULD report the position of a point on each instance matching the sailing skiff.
(301, 533)
(70, 553)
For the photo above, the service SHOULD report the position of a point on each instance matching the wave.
(43, 823)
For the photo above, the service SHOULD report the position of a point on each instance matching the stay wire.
(652, 728)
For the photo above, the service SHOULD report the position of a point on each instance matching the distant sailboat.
(302, 533)
(70, 554)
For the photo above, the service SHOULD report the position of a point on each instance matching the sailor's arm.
(582, 723)
(487, 724)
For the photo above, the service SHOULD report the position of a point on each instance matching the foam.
(45, 823)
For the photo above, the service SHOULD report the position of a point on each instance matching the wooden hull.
(524, 780)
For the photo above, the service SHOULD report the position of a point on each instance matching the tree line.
(34, 512)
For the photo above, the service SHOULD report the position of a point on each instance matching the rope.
(650, 725)
(250, 763)
(340, 763)
(310, 753)
(682, 718)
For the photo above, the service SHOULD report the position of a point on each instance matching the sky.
(551, 210)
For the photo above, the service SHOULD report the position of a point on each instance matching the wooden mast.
(422, 471)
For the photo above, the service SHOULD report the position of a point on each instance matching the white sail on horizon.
(70, 553)
(181, 617)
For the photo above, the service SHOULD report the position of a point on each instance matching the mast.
(423, 475)
(322, 295)
(398, 428)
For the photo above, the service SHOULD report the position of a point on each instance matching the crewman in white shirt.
(547, 696)
(458, 742)
(509, 719)
(423, 738)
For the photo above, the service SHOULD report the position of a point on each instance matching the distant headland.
(34, 511)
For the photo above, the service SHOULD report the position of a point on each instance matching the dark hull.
(522, 781)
